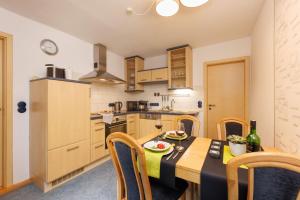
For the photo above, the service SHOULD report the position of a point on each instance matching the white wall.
(262, 74)
(29, 61)
(228, 49)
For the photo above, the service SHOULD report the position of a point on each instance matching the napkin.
(107, 117)
(227, 156)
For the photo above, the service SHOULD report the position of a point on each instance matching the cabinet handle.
(159, 78)
(73, 148)
(97, 123)
(100, 129)
(96, 147)
(143, 79)
(131, 121)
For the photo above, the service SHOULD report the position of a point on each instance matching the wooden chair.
(191, 124)
(133, 181)
(270, 176)
(229, 126)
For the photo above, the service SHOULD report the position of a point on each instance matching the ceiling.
(106, 22)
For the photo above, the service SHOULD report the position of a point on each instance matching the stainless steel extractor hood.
(100, 74)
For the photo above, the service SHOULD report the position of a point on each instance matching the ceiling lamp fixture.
(168, 8)
(193, 3)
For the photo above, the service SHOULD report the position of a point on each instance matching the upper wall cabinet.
(180, 67)
(153, 75)
(132, 66)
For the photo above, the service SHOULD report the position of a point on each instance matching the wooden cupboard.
(144, 76)
(168, 122)
(132, 66)
(180, 67)
(59, 129)
(97, 140)
(133, 125)
(153, 75)
(147, 126)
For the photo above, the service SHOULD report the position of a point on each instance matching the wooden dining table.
(191, 162)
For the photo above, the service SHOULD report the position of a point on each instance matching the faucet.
(172, 104)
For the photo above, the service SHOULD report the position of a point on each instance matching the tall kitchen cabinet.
(180, 67)
(132, 66)
(59, 130)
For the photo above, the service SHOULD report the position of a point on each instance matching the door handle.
(210, 106)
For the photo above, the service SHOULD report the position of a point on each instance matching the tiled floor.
(99, 183)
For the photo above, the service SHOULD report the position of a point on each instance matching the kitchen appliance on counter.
(132, 105)
(116, 106)
(143, 105)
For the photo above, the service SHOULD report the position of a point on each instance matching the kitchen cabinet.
(180, 67)
(132, 66)
(169, 122)
(153, 75)
(59, 129)
(160, 74)
(97, 140)
(147, 126)
(144, 76)
(133, 125)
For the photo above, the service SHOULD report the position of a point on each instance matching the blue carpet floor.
(99, 183)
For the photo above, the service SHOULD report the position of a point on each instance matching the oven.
(118, 124)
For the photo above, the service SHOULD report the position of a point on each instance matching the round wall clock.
(49, 47)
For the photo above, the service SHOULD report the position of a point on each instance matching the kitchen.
(75, 83)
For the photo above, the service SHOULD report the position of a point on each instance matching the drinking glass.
(158, 125)
(182, 128)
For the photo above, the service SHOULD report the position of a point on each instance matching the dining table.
(190, 164)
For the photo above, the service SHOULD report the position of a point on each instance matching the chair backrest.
(271, 175)
(230, 126)
(191, 124)
(133, 181)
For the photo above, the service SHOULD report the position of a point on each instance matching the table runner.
(214, 181)
(167, 167)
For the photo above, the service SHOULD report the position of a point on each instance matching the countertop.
(194, 113)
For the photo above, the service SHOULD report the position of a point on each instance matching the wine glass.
(180, 133)
(158, 125)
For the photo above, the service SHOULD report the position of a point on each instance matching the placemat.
(168, 167)
(213, 178)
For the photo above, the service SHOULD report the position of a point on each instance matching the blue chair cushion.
(188, 126)
(233, 128)
(161, 192)
(276, 184)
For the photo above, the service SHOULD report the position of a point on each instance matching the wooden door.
(68, 113)
(1, 118)
(226, 93)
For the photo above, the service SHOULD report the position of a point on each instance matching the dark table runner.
(214, 181)
(168, 167)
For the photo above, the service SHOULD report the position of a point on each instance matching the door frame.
(246, 61)
(7, 109)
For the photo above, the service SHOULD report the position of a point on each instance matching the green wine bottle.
(253, 140)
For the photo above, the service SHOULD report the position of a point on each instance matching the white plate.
(149, 145)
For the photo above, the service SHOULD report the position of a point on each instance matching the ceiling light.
(167, 8)
(193, 3)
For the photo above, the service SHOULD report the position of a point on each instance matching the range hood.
(100, 74)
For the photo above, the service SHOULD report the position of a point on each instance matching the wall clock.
(49, 47)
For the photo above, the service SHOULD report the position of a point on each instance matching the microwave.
(132, 105)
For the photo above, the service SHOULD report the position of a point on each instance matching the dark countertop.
(60, 79)
(194, 113)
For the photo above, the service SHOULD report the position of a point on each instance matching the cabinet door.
(147, 126)
(167, 125)
(68, 113)
(160, 74)
(144, 76)
(64, 160)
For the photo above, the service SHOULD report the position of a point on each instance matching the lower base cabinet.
(63, 160)
(97, 140)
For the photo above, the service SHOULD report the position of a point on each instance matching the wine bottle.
(253, 140)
